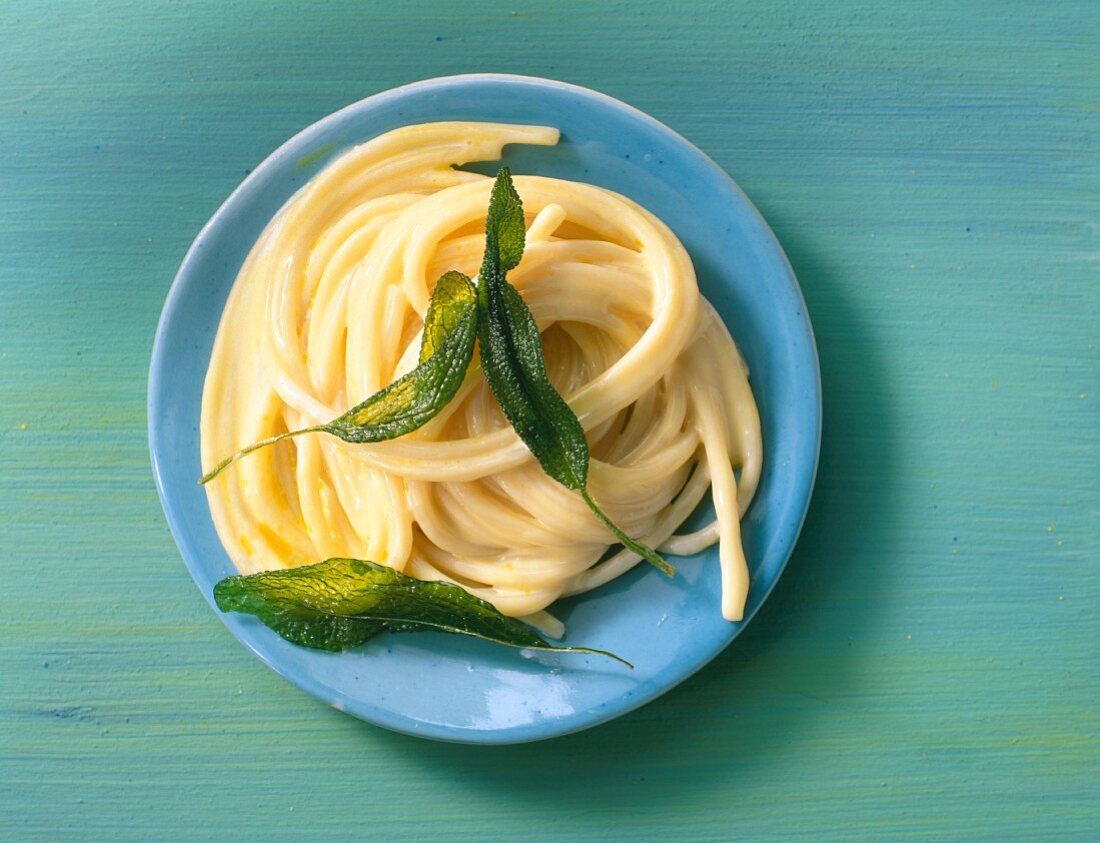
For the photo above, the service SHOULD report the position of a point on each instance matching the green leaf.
(450, 328)
(341, 603)
(453, 304)
(505, 231)
(511, 357)
(447, 345)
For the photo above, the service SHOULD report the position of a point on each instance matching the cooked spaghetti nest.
(328, 309)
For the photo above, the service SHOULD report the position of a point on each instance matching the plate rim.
(292, 148)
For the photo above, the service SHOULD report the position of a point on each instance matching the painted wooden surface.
(928, 668)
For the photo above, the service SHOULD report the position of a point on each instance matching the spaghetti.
(328, 309)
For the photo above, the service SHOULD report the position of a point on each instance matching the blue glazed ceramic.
(452, 688)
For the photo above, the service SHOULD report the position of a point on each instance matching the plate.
(458, 689)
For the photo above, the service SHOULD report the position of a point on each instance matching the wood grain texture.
(928, 667)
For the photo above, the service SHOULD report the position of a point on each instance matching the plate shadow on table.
(797, 663)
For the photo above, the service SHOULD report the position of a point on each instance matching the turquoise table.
(929, 666)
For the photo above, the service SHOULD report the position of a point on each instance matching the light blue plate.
(452, 688)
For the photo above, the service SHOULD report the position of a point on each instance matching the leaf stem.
(588, 650)
(642, 550)
(443, 627)
(255, 446)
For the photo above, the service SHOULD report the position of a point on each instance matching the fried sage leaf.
(447, 345)
(511, 356)
(341, 603)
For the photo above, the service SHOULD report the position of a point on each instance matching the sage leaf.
(447, 345)
(342, 603)
(511, 357)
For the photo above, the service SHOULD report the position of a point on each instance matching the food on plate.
(604, 399)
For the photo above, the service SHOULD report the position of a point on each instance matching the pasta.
(328, 309)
